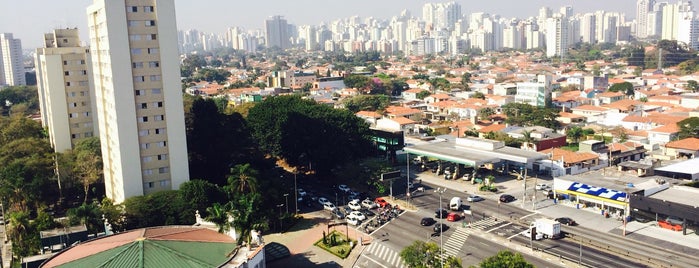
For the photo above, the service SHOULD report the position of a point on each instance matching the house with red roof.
(684, 148)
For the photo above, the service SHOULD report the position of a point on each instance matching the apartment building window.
(83, 83)
(143, 132)
(144, 105)
(155, 78)
(131, 9)
(88, 134)
(147, 172)
(82, 62)
(73, 104)
(158, 104)
(76, 125)
(154, 64)
(86, 114)
(145, 145)
(163, 170)
(67, 84)
(159, 117)
(156, 91)
(66, 73)
(73, 115)
(135, 37)
(162, 157)
(72, 94)
(87, 124)
(65, 62)
(132, 23)
(140, 92)
(148, 185)
(151, 37)
(147, 159)
(153, 50)
(162, 143)
(139, 78)
(143, 119)
(159, 131)
(149, 9)
(150, 23)
(164, 183)
(136, 51)
(74, 136)
(83, 104)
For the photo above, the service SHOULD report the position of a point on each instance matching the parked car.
(353, 221)
(381, 202)
(329, 206)
(301, 192)
(506, 198)
(427, 221)
(441, 213)
(453, 216)
(440, 227)
(356, 215)
(323, 200)
(367, 213)
(343, 188)
(337, 213)
(542, 186)
(367, 203)
(474, 198)
(354, 204)
(566, 221)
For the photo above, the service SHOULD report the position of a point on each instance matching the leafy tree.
(421, 254)
(88, 214)
(24, 237)
(26, 96)
(247, 216)
(465, 79)
(366, 103)
(421, 77)
(689, 128)
(88, 163)
(485, 113)
(156, 209)
(200, 194)
(692, 85)
(440, 83)
(575, 133)
(625, 87)
(25, 166)
(423, 94)
(478, 95)
(218, 214)
(505, 258)
(356, 81)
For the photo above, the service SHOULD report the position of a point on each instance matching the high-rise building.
(11, 62)
(643, 8)
(66, 94)
(588, 27)
(277, 32)
(557, 36)
(688, 29)
(135, 65)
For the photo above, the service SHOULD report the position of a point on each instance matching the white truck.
(547, 227)
(455, 203)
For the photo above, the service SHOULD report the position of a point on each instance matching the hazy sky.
(29, 19)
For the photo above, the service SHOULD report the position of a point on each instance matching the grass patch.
(336, 243)
(573, 147)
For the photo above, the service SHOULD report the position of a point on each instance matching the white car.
(329, 206)
(356, 215)
(301, 192)
(354, 204)
(323, 200)
(542, 186)
(353, 221)
(474, 198)
(343, 188)
(367, 203)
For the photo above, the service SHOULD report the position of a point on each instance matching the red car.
(453, 216)
(381, 202)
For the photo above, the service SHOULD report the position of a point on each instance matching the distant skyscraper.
(277, 32)
(135, 65)
(643, 8)
(557, 36)
(11, 62)
(66, 94)
(588, 27)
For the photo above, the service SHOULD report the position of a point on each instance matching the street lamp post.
(440, 191)
(286, 199)
(281, 224)
(296, 196)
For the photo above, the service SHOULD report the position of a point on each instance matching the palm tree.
(243, 179)
(219, 215)
(575, 133)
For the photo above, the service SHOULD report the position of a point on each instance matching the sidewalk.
(587, 217)
(299, 240)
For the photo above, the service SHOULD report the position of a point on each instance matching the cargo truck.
(548, 228)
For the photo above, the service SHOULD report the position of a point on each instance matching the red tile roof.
(688, 144)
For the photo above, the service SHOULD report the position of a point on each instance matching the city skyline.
(194, 15)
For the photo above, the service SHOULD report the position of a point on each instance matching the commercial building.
(66, 94)
(11, 64)
(534, 93)
(135, 65)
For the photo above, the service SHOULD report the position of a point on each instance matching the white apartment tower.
(557, 36)
(135, 65)
(66, 94)
(11, 63)
(643, 9)
(588, 27)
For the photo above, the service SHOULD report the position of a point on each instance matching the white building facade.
(11, 64)
(135, 64)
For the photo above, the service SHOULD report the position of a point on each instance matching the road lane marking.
(498, 227)
(374, 261)
(529, 215)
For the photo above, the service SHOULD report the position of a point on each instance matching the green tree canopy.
(293, 128)
(522, 114)
(423, 94)
(356, 81)
(625, 87)
(692, 85)
(366, 103)
(505, 258)
(421, 254)
(689, 128)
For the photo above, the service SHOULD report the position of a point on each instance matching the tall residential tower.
(11, 62)
(66, 95)
(135, 64)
